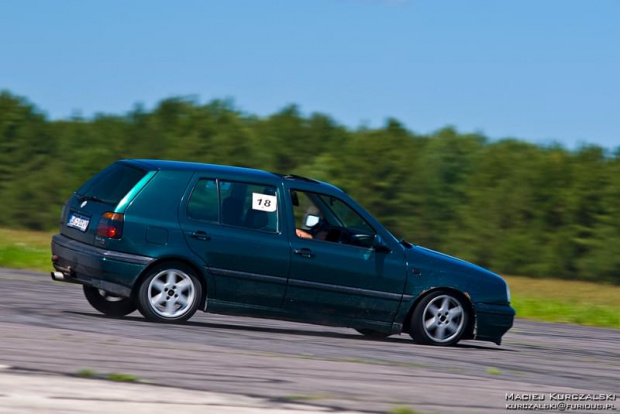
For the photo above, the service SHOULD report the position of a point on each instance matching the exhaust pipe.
(58, 276)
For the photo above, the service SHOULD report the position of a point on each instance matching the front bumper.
(493, 321)
(112, 271)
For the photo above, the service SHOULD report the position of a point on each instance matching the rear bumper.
(109, 270)
(493, 321)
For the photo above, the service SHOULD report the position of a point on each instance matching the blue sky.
(541, 70)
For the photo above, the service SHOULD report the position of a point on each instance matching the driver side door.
(335, 273)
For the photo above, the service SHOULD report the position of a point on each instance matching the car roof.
(250, 173)
(166, 165)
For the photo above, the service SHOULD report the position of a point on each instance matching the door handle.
(305, 252)
(200, 235)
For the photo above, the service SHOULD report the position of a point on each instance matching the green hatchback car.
(169, 238)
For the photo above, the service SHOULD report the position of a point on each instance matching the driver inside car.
(301, 229)
(303, 234)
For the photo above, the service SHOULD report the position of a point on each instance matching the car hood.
(435, 269)
(444, 261)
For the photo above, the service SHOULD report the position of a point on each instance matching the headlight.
(507, 292)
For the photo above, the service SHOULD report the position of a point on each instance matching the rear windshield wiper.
(83, 197)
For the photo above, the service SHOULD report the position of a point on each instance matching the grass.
(494, 371)
(118, 377)
(549, 300)
(112, 376)
(565, 301)
(402, 409)
(311, 397)
(22, 249)
(87, 373)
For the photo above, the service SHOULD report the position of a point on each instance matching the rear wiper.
(82, 197)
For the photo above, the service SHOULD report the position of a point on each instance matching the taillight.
(111, 225)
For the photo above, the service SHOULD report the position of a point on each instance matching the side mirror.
(311, 220)
(379, 245)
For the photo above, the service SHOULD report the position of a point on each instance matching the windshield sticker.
(264, 202)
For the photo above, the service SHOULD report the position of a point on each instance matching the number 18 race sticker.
(264, 202)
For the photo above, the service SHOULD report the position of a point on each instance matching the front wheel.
(108, 304)
(439, 319)
(170, 293)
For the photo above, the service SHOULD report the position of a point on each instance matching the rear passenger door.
(237, 228)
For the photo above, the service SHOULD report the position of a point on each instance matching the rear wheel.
(170, 293)
(107, 303)
(371, 333)
(439, 319)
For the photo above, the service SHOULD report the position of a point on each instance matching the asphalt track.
(49, 327)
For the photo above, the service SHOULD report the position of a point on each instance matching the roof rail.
(297, 177)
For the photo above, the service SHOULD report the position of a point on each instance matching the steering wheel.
(318, 227)
(361, 239)
(338, 235)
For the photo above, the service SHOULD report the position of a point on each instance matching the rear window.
(236, 204)
(111, 184)
(249, 205)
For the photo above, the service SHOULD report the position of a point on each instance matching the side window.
(203, 203)
(346, 215)
(307, 214)
(249, 205)
(327, 218)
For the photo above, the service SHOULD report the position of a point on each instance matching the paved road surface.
(27, 392)
(49, 327)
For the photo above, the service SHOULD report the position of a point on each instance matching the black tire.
(107, 303)
(170, 293)
(371, 333)
(439, 319)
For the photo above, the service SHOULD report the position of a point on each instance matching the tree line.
(509, 205)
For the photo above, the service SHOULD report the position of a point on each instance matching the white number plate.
(78, 222)
(264, 202)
